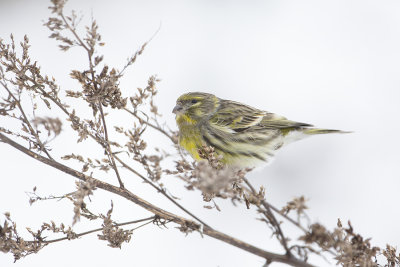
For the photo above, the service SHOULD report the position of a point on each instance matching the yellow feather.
(190, 137)
(191, 146)
(184, 119)
(238, 119)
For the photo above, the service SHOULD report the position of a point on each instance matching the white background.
(334, 64)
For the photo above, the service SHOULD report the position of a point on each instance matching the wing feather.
(234, 117)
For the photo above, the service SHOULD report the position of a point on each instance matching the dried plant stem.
(286, 217)
(270, 207)
(72, 30)
(160, 190)
(90, 52)
(271, 217)
(25, 119)
(98, 229)
(140, 226)
(113, 155)
(91, 135)
(183, 222)
(108, 147)
(155, 127)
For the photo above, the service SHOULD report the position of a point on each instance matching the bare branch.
(271, 218)
(155, 127)
(160, 190)
(109, 151)
(26, 120)
(99, 229)
(186, 224)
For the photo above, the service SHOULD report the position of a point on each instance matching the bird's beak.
(177, 109)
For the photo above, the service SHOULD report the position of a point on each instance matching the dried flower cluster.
(211, 177)
(12, 242)
(297, 204)
(351, 249)
(84, 189)
(112, 232)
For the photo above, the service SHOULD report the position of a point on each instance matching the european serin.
(244, 136)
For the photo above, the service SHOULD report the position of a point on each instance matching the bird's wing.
(278, 122)
(236, 117)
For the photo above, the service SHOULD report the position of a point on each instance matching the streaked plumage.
(243, 135)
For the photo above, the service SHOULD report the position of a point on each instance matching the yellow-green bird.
(244, 136)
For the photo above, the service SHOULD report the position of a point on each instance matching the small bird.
(244, 136)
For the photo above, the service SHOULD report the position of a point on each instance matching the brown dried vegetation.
(21, 78)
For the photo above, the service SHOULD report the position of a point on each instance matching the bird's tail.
(312, 131)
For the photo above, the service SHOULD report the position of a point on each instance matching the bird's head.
(195, 107)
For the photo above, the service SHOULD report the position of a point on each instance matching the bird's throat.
(183, 119)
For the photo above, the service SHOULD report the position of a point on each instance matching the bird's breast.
(190, 137)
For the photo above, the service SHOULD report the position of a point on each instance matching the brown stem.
(286, 217)
(96, 230)
(265, 203)
(33, 132)
(271, 216)
(74, 32)
(183, 222)
(151, 125)
(160, 190)
(108, 147)
(93, 80)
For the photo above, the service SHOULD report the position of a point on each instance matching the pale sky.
(334, 64)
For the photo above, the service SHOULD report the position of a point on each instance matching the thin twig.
(90, 52)
(265, 203)
(286, 217)
(272, 218)
(33, 132)
(132, 59)
(160, 190)
(151, 125)
(108, 148)
(72, 30)
(96, 230)
(140, 226)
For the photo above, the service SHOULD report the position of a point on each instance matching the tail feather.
(312, 131)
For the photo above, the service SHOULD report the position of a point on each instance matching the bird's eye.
(194, 101)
